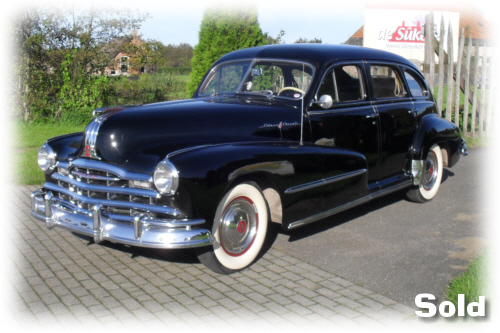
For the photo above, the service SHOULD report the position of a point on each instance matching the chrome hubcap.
(430, 171)
(239, 226)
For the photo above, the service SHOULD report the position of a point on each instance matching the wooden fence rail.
(472, 76)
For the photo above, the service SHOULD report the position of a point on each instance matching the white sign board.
(401, 31)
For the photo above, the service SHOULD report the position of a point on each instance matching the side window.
(343, 84)
(386, 82)
(417, 87)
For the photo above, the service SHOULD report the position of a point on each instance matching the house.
(121, 63)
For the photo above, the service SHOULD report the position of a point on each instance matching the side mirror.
(325, 101)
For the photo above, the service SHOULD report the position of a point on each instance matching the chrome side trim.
(325, 181)
(180, 151)
(112, 203)
(106, 167)
(395, 188)
(107, 189)
(348, 205)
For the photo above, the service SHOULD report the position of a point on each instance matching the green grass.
(479, 142)
(29, 138)
(472, 283)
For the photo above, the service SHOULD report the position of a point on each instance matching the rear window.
(386, 82)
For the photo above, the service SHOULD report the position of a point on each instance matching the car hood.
(139, 137)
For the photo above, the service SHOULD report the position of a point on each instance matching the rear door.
(396, 111)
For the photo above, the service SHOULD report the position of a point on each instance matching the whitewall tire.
(240, 229)
(431, 177)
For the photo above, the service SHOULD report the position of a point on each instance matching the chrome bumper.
(141, 230)
(463, 148)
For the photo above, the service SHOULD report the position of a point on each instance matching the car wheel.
(240, 228)
(431, 178)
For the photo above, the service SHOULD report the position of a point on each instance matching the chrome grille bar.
(106, 188)
(111, 203)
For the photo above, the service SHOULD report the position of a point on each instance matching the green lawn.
(29, 138)
(472, 283)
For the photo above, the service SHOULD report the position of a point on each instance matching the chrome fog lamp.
(46, 158)
(166, 177)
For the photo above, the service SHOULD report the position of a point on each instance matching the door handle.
(374, 115)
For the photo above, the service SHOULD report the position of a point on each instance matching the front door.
(350, 124)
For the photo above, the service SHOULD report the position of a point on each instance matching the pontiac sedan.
(286, 134)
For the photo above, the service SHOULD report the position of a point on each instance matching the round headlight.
(46, 158)
(166, 177)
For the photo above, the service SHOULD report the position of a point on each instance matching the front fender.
(66, 146)
(432, 130)
(208, 172)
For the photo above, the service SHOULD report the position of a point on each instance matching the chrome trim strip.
(106, 167)
(180, 151)
(107, 189)
(90, 176)
(391, 189)
(112, 203)
(348, 205)
(325, 181)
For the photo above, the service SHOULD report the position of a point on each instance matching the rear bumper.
(140, 230)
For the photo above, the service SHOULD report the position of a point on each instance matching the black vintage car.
(288, 134)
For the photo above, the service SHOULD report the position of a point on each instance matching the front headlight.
(166, 177)
(46, 158)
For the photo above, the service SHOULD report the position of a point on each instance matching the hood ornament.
(91, 131)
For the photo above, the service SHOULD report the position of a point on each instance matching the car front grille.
(84, 183)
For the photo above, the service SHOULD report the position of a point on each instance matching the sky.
(178, 21)
(332, 21)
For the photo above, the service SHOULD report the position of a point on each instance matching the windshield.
(265, 77)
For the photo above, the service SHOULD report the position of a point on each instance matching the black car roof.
(315, 54)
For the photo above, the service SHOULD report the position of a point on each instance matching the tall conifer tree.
(223, 30)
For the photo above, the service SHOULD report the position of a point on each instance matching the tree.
(305, 40)
(222, 31)
(45, 36)
(147, 55)
(178, 55)
(271, 40)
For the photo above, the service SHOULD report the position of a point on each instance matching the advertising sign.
(402, 31)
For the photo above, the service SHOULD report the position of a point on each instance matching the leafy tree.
(147, 55)
(305, 40)
(43, 38)
(178, 55)
(222, 31)
(278, 40)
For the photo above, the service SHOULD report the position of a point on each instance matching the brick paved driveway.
(62, 279)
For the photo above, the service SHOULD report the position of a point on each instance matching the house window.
(124, 64)
(112, 72)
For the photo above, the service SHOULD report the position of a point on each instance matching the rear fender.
(435, 130)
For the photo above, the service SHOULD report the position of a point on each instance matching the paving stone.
(61, 279)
